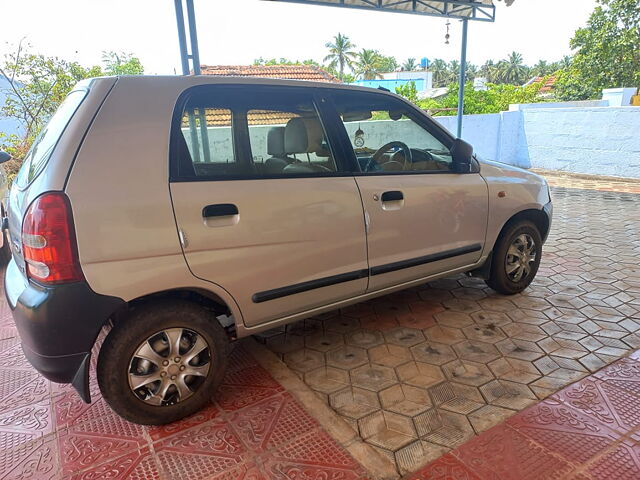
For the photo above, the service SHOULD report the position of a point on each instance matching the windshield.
(44, 144)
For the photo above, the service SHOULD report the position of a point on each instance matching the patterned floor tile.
(506, 454)
(268, 424)
(447, 467)
(576, 436)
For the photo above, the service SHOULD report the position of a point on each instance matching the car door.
(422, 217)
(263, 207)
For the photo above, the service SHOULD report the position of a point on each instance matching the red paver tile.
(181, 466)
(241, 388)
(316, 447)
(604, 403)
(80, 452)
(447, 467)
(232, 398)
(34, 419)
(271, 422)
(503, 453)
(576, 436)
(623, 374)
(203, 416)
(243, 472)
(36, 460)
(623, 463)
(133, 466)
(215, 438)
(23, 389)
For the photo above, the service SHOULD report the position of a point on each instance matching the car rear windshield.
(45, 143)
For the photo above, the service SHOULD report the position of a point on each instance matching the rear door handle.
(219, 210)
(392, 196)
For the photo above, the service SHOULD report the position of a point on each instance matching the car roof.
(187, 81)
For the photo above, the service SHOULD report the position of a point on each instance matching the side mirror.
(4, 157)
(462, 155)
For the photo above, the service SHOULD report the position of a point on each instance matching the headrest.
(275, 142)
(303, 135)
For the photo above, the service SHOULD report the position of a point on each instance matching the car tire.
(5, 251)
(516, 258)
(143, 347)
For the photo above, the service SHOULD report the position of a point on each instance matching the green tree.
(439, 69)
(367, 66)
(495, 99)
(387, 64)
(409, 65)
(489, 71)
(341, 54)
(512, 70)
(37, 86)
(120, 63)
(542, 68)
(608, 52)
(408, 91)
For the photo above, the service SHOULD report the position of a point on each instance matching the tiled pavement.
(419, 372)
(254, 430)
(588, 431)
(416, 373)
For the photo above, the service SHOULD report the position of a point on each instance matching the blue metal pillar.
(193, 35)
(182, 38)
(201, 118)
(463, 74)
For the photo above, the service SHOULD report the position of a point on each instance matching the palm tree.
(341, 54)
(452, 73)
(409, 65)
(439, 70)
(489, 71)
(368, 65)
(512, 70)
(542, 68)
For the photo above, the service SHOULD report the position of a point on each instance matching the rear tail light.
(49, 241)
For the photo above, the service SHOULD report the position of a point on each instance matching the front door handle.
(392, 196)
(219, 210)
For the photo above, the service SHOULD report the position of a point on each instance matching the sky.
(236, 32)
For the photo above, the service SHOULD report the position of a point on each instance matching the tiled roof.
(291, 72)
(219, 117)
(548, 86)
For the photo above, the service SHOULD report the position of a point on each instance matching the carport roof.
(481, 10)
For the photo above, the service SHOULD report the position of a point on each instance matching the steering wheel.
(408, 158)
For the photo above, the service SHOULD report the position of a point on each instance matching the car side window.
(386, 137)
(289, 141)
(239, 133)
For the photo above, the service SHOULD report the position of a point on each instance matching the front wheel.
(516, 258)
(162, 363)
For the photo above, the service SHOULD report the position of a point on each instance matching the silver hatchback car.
(182, 213)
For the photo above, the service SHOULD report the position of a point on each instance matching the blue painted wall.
(389, 84)
(589, 140)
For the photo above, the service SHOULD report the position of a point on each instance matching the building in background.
(422, 79)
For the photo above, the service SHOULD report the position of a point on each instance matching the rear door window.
(234, 133)
(46, 142)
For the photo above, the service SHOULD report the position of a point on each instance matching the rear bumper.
(58, 325)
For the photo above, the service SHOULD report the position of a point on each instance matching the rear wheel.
(163, 363)
(516, 258)
(5, 251)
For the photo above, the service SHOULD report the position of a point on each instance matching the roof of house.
(548, 86)
(291, 72)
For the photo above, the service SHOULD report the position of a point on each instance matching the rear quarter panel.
(119, 189)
